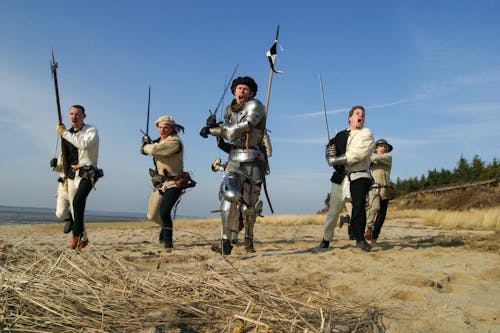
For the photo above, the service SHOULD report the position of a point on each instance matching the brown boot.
(169, 246)
(373, 241)
(249, 245)
(368, 233)
(82, 244)
(74, 242)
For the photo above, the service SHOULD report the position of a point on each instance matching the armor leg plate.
(250, 207)
(230, 213)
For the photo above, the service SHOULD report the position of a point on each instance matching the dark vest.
(340, 142)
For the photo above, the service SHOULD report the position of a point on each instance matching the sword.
(225, 90)
(147, 118)
(324, 107)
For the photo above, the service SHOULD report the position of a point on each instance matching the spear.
(53, 66)
(271, 55)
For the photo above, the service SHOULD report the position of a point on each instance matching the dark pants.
(359, 189)
(79, 202)
(169, 198)
(379, 221)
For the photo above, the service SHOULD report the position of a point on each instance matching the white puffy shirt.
(359, 149)
(86, 140)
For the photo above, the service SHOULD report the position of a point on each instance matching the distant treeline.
(465, 172)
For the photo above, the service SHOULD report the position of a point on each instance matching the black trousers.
(79, 202)
(169, 198)
(379, 221)
(359, 190)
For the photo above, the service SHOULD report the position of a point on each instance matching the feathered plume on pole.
(272, 55)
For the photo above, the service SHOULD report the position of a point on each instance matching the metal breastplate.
(252, 111)
(245, 155)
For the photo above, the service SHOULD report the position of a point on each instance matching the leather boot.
(249, 245)
(74, 242)
(68, 226)
(82, 244)
(368, 233)
(324, 244)
(225, 249)
(169, 246)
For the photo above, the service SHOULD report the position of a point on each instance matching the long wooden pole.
(53, 66)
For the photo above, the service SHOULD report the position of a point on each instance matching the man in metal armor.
(243, 129)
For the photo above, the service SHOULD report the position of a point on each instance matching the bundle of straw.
(92, 291)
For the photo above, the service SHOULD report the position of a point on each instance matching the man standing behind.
(168, 155)
(357, 161)
(83, 173)
(378, 199)
(243, 128)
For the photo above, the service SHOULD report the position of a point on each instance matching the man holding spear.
(244, 130)
(79, 153)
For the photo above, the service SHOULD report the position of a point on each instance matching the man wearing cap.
(243, 128)
(378, 196)
(357, 161)
(168, 154)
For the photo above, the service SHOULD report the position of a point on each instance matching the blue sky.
(427, 72)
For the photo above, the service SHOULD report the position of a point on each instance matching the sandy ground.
(429, 280)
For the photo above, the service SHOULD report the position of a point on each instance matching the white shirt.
(359, 148)
(86, 140)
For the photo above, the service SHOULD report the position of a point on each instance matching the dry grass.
(292, 220)
(482, 219)
(91, 291)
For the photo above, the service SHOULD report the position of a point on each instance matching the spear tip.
(54, 62)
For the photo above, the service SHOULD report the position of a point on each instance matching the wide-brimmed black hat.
(384, 142)
(247, 81)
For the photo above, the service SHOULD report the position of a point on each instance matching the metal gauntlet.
(337, 160)
(330, 151)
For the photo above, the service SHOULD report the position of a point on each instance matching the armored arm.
(253, 114)
(332, 158)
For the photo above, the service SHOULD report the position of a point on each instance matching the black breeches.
(79, 202)
(359, 190)
(169, 198)
(379, 221)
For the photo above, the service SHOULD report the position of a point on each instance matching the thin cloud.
(442, 88)
(319, 113)
(429, 91)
